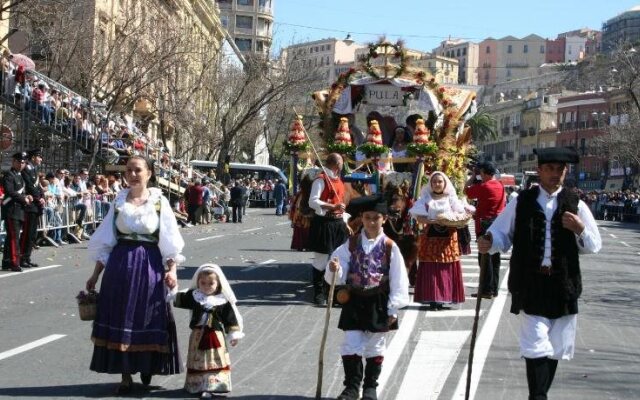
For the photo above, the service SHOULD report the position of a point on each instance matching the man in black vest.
(15, 199)
(547, 225)
(32, 211)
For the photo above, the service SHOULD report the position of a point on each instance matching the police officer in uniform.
(32, 211)
(15, 199)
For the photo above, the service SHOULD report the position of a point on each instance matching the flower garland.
(398, 51)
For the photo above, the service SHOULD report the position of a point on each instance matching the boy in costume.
(374, 286)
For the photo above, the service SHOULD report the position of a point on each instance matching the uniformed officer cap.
(37, 152)
(374, 202)
(557, 155)
(20, 156)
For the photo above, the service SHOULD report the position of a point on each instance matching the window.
(260, 46)
(315, 49)
(542, 50)
(458, 53)
(310, 50)
(245, 2)
(464, 51)
(488, 50)
(526, 48)
(322, 48)
(328, 47)
(509, 49)
(243, 21)
(327, 62)
(224, 19)
(508, 73)
(243, 44)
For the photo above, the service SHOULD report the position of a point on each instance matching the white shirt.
(141, 219)
(398, 279)
(316, 191)
(502, 229)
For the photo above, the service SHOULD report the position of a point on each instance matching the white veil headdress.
(426, 196)
(226, 292)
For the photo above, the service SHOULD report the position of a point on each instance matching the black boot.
(319, 297)
(352, 377)
(371, 375)
(539, 377)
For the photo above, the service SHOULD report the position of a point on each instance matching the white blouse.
(141, 219)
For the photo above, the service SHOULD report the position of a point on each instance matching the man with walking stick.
(373, 287)
(548, 226)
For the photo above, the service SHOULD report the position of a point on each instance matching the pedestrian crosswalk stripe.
(452, 313)
(29, 346)
(431, 363)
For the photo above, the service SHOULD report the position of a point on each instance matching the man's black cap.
(37, 152)
(567, 155)
(20, 156)
(374, 202)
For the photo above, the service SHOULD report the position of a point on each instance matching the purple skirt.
(134, 330)
(440, 283)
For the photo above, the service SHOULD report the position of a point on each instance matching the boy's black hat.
(374, 202)
(37, 152)
(557, 155)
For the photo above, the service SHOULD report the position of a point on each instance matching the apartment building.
(581, 118)
(444, 69)
(510, 58)
(328, 57)
(467, 54)
(624, 27)
(503, 150)
(538, 128)
(250, 24)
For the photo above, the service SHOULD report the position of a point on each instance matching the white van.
(246, 170)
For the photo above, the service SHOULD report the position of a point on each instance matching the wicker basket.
(88, 311)
(450, 223)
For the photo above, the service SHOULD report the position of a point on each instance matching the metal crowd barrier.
(58, 221)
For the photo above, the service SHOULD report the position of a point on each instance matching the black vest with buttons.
(554, 295)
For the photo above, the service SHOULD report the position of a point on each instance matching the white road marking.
(483, 343)
(283, 223)
(471, 284)
(453, 313)
(625, 244)
(29, 346)
(28, 270)
(613, 236)
(209, 237)
(604, 229)
(261, 264)
(431, 364)
(251, 230)
(471, 274)
(398, 343)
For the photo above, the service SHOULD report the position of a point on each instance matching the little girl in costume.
(214, 318)
(439, 200)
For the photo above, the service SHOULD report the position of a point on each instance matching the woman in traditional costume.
(138, 246)
(439, 279)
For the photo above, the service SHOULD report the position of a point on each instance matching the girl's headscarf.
(427, 194)
(225, 288)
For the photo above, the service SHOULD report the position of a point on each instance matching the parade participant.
(13, 203)
(138, 245)
(439, 279)
(548, 226)
(398, 227)
(195, 198)
(213, 312)
(372, 268)
(32, 211)
(490, 194)
(328, 229)
(301, 214)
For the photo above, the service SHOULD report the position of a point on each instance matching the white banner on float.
(384, 95)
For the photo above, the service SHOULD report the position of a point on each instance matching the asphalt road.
(45, 349)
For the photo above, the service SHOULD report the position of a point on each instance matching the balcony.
(523, 133)
(523, 157)
(517, 65)
(505, 131)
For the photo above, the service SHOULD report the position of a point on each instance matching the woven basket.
(452, 224)
(88, 311)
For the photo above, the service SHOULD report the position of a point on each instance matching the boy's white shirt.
(398, 279)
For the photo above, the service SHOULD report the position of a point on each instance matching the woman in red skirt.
(439, 281)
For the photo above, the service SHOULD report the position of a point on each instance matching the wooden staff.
(484, 264)
(327, 317)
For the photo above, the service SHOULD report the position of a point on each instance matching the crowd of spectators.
(619, 205)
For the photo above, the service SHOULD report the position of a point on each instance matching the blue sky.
(424, 23)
